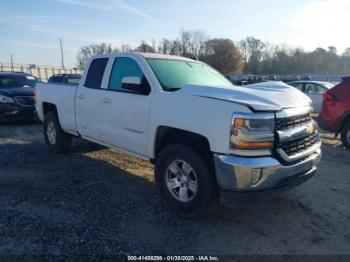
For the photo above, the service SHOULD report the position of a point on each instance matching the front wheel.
(56, 139)
(345, 135)
(185, 181)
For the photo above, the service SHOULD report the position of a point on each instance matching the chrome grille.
(293, 121)
(24, 100)
(296, 137)
(298, 145)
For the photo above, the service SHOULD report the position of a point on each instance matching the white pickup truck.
(209, 140)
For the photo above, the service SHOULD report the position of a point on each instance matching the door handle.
(106, 100)
(81, 96)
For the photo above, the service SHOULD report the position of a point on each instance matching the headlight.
(6, 99)
(252, 132)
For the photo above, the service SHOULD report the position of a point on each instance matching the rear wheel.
(345, 135)
(185, 181)
(56, 139)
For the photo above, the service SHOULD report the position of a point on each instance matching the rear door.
(124, 113)
(88, 100)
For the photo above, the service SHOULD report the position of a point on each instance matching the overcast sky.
(30, 29)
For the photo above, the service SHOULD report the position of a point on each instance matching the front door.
(124, 113)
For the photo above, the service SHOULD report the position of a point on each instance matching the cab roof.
(146, 56)
(163, 56)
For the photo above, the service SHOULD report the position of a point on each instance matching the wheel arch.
(168, 135)
(49, 107)
(343, 120)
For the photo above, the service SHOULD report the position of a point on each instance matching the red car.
(335, 113)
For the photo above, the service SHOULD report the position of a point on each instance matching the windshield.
(174, 74)
(11, 81)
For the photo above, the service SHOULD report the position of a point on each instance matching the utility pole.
(11, 58)
(62, 59)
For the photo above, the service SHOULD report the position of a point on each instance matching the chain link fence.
(43, 73)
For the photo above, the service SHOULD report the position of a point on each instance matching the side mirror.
(134, 84)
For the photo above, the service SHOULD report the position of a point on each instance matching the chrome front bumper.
(244, 174)
(244, 181)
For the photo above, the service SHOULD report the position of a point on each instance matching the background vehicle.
(17, 96)
(65, 79)
(206, 137)
(335, 114)
(314, 90)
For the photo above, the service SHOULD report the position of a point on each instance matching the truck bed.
(61, 95)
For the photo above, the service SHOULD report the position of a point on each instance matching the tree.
(86, 52)
(252, 50)
(145, 48)
(347, 52)
(176, 48)
(192, 43)
(281, 61)
(252, 56)
(332, 50)
(267, 58)
(165, 46)
(126, 48)
(223, 55)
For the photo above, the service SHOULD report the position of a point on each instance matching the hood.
(17, 91)
(266, 96)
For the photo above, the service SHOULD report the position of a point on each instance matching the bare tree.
(145, 47)
(176, 48)
(192, 43)
(126, 48)
(154, 45)
(252, 53)
(165, 46)
(86, 52)
(243, 48)
(347, 52)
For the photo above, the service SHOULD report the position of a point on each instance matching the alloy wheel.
(51, 133)
(181, 181)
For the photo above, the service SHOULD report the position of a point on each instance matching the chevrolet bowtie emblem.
(310, 129)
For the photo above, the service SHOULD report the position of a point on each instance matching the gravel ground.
(94, 201)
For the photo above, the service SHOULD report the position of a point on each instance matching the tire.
(205, 197)
(345, 135)
(56, 139)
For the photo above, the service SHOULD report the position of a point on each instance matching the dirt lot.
(96, 201)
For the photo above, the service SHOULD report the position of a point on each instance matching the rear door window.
(314, 89)
(320, 90)
(95, 74)
(309, 88)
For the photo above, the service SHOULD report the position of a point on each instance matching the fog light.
(256, 175)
